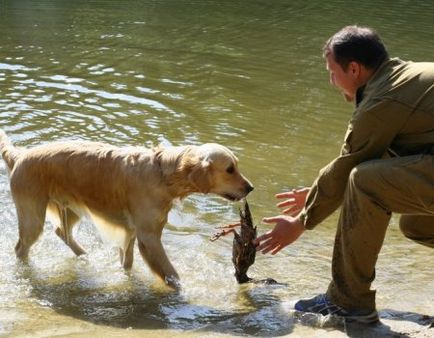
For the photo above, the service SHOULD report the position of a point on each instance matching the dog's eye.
(230, 170)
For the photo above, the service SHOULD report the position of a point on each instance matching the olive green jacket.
(394, 115)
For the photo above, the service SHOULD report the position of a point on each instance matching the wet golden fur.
(126, 191)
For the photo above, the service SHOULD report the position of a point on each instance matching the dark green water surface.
(247, 74)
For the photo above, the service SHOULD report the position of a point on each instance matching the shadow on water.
(382, 329)
(245, 73)
(410, 324)
(136, 305)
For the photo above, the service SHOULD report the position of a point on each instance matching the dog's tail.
(8, 151)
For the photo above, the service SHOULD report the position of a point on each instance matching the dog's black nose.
(250, 188)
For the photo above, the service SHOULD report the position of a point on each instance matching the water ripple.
(248, 74)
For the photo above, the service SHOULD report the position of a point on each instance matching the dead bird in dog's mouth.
(243, 249)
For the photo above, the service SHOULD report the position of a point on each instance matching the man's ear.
(355, 68)
(199, 176)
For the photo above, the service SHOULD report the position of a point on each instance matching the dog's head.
(215, 170)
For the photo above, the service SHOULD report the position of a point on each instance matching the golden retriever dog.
(127, 191)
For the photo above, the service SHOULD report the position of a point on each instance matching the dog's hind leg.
(126, 253)
(31, 217)
(67, 219)
(64, 225)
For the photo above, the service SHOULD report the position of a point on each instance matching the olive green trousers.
(375, 190)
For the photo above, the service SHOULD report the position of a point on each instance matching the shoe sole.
(370, 319)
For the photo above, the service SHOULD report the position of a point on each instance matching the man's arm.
(369, 135)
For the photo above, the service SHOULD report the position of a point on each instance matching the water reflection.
(248, 74)
(131, 302)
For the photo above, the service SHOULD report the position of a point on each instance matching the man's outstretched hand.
(286, 231)
(295, 201)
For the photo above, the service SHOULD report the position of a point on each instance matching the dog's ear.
(199, 175)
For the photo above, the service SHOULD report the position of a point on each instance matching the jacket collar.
(377, 78)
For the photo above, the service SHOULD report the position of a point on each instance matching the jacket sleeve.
(369, 134)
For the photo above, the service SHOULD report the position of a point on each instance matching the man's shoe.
(322, 305)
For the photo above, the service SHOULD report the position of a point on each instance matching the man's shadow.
(383, 329)
(418, 323)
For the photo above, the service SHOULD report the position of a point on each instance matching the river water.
(247, 74)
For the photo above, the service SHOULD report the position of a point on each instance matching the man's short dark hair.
(359, 44)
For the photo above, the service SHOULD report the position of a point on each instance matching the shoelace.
(322, 304)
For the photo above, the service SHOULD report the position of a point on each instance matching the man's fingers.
(284, 194)
(268, 247)
(276, 249)
(262, 245)
(271, 219)
(285, 203)
(288, 211)
(272, 248)
(294, 211)
(261, 238)
(290, 194)
(265, 251)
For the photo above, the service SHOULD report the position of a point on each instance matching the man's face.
(346, 81)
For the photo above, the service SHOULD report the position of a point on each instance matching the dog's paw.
(173, 282)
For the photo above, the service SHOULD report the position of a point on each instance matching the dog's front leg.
(153, 253)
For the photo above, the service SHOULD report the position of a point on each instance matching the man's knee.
(419, 228)
(363, 175)
(406, 225)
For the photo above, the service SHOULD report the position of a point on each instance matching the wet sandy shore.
(49, 323)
